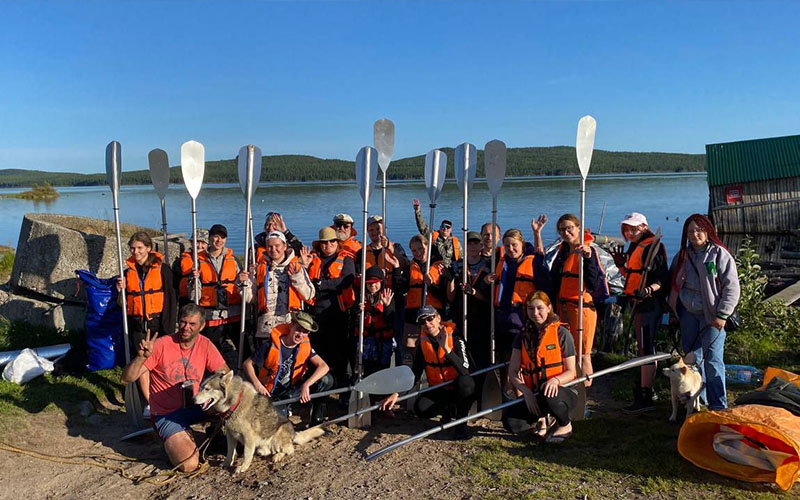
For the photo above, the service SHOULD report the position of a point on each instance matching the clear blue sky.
(312, 77)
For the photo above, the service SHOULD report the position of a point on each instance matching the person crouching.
(287, 366)
(542, 361)
(444, 358)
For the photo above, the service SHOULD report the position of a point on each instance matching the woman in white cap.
(646, 286)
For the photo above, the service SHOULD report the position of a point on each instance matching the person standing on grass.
(704, 293)
(647, 298)
(542, 361)
(175, 365)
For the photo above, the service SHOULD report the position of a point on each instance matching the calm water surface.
(665, 200)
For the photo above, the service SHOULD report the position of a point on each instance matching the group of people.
(303, 335)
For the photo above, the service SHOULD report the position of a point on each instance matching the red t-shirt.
(170, 365)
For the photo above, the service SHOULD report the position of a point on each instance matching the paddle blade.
(193, 166)
(435, 172)
(114, 165)
(366, 171)
(383, 138)
(245, 153)
(494, 162)
(584, 144)
(159, 171)
(397, 379)
(466, 160)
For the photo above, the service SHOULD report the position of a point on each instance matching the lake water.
(666, 200)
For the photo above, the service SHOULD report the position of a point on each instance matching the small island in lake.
(45, 192)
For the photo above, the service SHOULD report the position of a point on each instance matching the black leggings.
(517, 418)
(453, 400)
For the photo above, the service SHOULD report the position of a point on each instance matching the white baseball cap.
(634, 219)
(277, 234)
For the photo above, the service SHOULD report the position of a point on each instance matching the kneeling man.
(285, 366)
(176, 365)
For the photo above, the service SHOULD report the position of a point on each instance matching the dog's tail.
(307, 435)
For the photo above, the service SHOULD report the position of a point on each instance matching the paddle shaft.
(581, 285)
(194, 252)
(465, 263)
(494, 264)
(115, 198)
(623, 366)
(247, 222)
(428, 262)
(383, 200)
(410, 395)
(363, 299)
(164, 229)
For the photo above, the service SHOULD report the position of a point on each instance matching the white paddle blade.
(244, 156)
(494, 162)
(435, 172)
(383, 138)
(114, 165)
(397, 379)
(193, 166)
(584, 144)
(159, 171)
(466, 161)
(366, 171)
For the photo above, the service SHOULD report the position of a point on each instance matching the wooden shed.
(754, 186)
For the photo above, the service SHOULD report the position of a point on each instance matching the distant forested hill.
(556, 160)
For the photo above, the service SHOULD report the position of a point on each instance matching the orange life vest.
(186, 264)
(375, 324)
(295, 301)
(351, 244)
(523, 280)
(634, 266)
(380, 261)
(456, 245)
(548, 362)
(145, 296)
(346, 297)
(437, 368)
(272, 362)
(570, 284)
(210, 281)
(415, 283)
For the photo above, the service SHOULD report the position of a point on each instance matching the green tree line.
(558, 160)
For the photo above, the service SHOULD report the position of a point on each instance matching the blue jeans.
(707, 343)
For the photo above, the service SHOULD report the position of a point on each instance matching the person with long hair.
(566, 286)
(704, 293)
(542, 361)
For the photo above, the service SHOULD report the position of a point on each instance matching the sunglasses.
(426, 319)
(446, 226)
(343, 224)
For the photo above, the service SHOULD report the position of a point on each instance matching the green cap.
(474, 235)
(305, 320)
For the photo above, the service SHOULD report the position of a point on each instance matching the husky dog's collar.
(229, 411)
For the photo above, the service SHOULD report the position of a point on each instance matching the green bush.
(770, 331)
(6, 263)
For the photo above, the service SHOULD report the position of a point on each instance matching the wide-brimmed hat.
(327, 233)
(305, 320)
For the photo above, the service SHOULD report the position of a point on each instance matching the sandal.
(554, 438)
(544, 427)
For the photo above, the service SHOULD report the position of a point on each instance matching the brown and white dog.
(250, 419)
(686, 384)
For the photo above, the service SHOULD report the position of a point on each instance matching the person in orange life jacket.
(170, 361)
(281, 284)
(517, 274)
(332, 273)
(286, 366)
(444, 357)
(183, 266)
(446, 247)
(542, 361)
(478, 299)
(414, 282)
(379, 312)
(219, 292)
(648, 299)
(343, 224)
(391, 257)
(564, 275)
(274, 222)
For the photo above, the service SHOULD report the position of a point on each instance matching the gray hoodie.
(712, 273)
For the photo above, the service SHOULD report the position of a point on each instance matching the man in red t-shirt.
(176, 365)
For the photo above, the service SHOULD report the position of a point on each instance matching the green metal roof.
(754, 160)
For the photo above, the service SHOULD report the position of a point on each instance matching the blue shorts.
(177, 421)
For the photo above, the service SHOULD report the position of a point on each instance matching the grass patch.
(16, 335)
(36, 193)
(6, 262)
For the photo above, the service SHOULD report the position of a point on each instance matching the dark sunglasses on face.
(426, 319)
(343, 224)
(446, 226)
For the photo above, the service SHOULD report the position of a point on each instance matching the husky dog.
(686, 384)
(250, 419)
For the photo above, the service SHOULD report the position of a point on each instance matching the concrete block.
(52, 246)
(63, 316)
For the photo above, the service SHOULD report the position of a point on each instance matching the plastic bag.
(26, 367)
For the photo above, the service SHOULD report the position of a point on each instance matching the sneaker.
(642, 402)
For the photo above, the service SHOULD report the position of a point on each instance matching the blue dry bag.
(104, 340)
